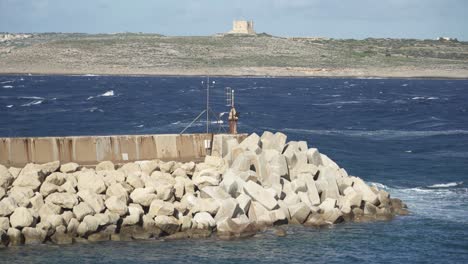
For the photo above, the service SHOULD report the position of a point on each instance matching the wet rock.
(167, 224)
(33, 236)
(15, 237)
(61, 237)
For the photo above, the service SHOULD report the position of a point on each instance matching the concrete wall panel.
(94, 149)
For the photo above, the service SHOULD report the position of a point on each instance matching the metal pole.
(207, 103)
(196, 118)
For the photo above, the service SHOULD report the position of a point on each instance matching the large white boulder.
(311, 188)
(4, 223)
(314, 157)
(117, 190)
(299, 212)
(30, 179)
(21, 217)
(48, 168)
(105, 165)
(367, 194)
(117, 205)
(143, 196)
(7, 206)
(203, 220)
(82, 209)
(259, 194)
(251, 142)
(208, 205)
(167, 224)
(160, 207)
(257, 211)
(89, 225)
(89, 180)
(94, 200)
(6, 179)
(214, 192)
(21, 195)
(69, 167)
(229, 208)
(244, 202)
(64, 200)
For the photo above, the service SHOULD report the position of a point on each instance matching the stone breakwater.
(257, 183)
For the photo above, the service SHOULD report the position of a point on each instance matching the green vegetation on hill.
(152, 51)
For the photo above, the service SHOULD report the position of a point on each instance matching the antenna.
(207, 110)
(228, 91)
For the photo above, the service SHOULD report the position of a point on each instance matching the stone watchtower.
(242, 27)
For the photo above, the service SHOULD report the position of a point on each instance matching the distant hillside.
(134, 53)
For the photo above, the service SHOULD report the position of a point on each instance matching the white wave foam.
(108, 93)
(5, 82)
(448, 204)
(31, 97)
(380, 134)
(140, 126)
(446, 185)
(425, 98)
(379, 185)
(9, 106)
(94, 109)
(91, 75)
(36, 102)
(7, 86)
(404, 85)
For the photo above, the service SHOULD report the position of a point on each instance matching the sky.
(422, 19)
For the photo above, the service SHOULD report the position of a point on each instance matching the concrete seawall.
(118, 149)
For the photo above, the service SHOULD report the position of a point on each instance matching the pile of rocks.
(260, 182)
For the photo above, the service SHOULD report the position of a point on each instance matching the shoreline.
(235, 75)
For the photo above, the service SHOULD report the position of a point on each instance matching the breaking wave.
(7, 86)
(35, 102)
(108, 93)
(444, 201)
(445, 185)
(425, 98)
(31, 97)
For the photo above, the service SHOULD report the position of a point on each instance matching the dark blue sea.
(407, 136)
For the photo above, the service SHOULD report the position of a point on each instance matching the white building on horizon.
(242, 27)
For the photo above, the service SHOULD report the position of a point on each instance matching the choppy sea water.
(407, 136)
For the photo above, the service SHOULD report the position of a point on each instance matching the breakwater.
(245, 186)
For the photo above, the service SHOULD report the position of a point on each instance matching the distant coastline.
(235, 56)
(277, 73)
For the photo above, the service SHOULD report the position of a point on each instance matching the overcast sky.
(328, 18)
